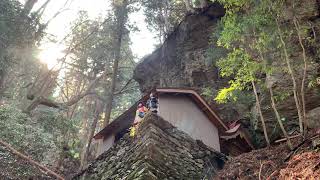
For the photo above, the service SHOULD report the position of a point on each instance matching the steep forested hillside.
(255, 62)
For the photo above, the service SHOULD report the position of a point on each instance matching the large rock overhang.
(192, 34)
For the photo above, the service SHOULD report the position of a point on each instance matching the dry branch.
(40, 100)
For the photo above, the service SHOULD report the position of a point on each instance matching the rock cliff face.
(159, 151)
(183, 61)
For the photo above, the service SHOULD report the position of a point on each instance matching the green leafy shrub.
(26, 136)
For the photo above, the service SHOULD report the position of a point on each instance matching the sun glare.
(50, 56)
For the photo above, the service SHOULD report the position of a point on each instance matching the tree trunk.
(121, 11)
(260, 113)
(92, 129)
(28, 6)
(273, 104)
(166, 15)
(294, 89)
(85, 128)
(162, 24)
(41, 10)
(302, 93)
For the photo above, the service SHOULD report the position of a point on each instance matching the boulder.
(313, 118)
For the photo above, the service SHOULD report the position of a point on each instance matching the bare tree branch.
(125, 86)
(28, 6)
(134, 88)
(70, 49)
(61, 10)
(42, 8)
(40, 100)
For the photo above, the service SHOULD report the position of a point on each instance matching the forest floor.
(277, 162)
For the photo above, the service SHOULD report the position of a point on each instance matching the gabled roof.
(126, 119)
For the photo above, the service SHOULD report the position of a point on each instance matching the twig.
(261, 165)
(128, 82)
(272, 174)
(267, 162)
(284, 139)
(38, 165)
(294, 150)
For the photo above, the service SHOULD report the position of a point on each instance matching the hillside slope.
(276, 162)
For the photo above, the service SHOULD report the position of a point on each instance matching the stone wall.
(159, 151)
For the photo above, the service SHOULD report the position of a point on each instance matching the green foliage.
(19, 35)
(162, 16)
(124, 101)
(248, 33)
(96, 55)
(234, 6)
(17, 31)
(230, 32)
(242, 68)
(226, 94)
(262, 40)
(208, 92)
(24, 134)
(314, 82)
(55, 123)
(48, 134)
(8, 9)
(246, 23)
(281, 96)
(41, 136)
(214, 54)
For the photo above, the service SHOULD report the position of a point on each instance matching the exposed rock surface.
(308, 13)
(159, 151)
(313, 118)
(183, 61)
